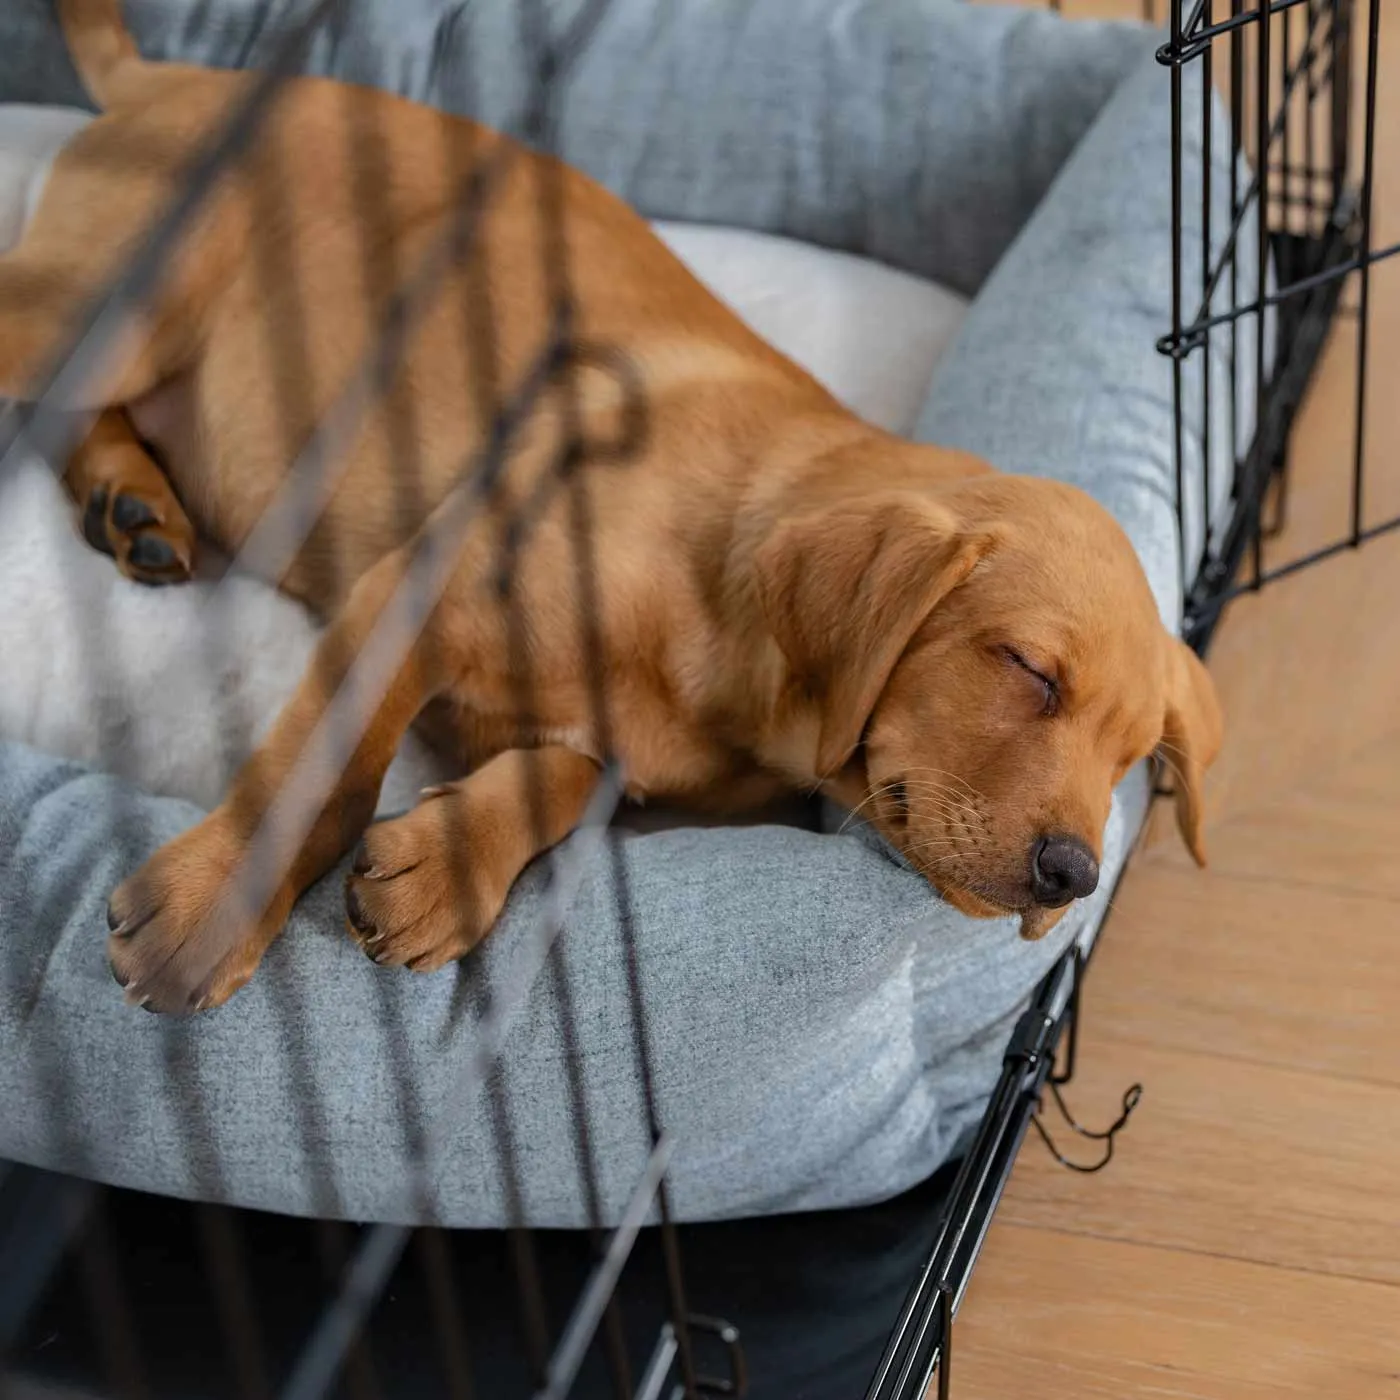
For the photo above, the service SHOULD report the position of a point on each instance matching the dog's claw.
(356, 915)
(363, 866)
(124, 928)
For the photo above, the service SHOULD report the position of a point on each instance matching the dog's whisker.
(937, 796)
(952, 798)
(942, 842)
(864, 803)
(953, 815)
(932, 797)
(957, 778)
(926, 785)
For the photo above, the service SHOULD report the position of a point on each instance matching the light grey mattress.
(825, 1031)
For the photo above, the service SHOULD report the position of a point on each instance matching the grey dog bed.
(824, 1029)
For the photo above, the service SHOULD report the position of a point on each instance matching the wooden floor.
(1245, 1243)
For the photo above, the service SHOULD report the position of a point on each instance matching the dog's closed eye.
(1049, 686)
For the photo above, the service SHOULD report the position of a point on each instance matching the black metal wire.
(1255, 191)
(1310, 173)
(597, 1295)
(1265, 130)
(1363, 324)
(1285, 69)
(109, 1307)
(1199, 37)
(1208, 97)
(361, 1285)
(355, 1298)
(1339, 81)
(1109, 1136)
(238, 1316)
(1178, 400)
(538, 44)
(1236, 40)
(1193, 336)
(448, 1314)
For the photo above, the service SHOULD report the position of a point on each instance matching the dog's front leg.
(188, 929)
(427, 886)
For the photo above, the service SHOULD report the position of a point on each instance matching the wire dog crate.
(1288, 71)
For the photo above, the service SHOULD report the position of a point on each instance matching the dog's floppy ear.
(1192, 729)
(845, 587)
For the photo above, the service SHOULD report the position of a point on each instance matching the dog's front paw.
(410, 904)
(180, 941)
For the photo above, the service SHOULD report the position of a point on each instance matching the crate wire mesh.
(1290, 71)
(332, 1356)
(1287, 69)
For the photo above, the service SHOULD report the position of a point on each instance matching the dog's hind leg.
(41, 302)
(107, 188)
(127, 506)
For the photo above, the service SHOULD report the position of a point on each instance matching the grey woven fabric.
(896, 128)
(824, 1030)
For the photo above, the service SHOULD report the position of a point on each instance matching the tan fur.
(789, 599)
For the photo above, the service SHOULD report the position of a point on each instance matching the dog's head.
(993, 657)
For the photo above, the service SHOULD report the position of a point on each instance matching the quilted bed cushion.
(824, 1030)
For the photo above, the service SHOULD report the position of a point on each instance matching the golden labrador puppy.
(784, 597)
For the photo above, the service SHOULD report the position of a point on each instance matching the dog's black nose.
(1062, 869)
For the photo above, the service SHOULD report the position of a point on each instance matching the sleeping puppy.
(782, 597)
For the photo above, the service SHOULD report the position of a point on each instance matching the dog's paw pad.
(131, 513)
(150, 555)
(152, 540)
